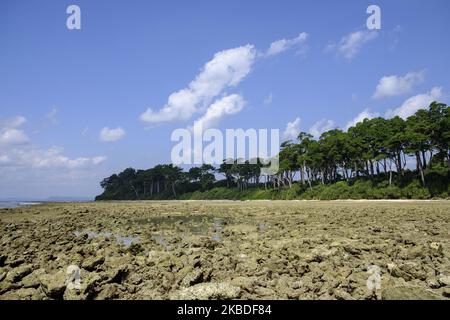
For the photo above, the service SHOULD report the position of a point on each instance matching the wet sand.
(226, 250)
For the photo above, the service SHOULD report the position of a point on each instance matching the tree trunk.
(173, 190)
(424, 161)
(448, 158)
(399, 166)
(302, 173)
(390, 172)
(404, 161)
(135, 191)
(372, 172)
(390, 178)
(419, 164)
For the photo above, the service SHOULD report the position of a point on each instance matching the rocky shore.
(226, 250)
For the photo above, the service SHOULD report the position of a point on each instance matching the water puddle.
(198, 224)
(161, 240)
(186, 226)
(127, 240)
(217, 229)
(262, 227)
(123, 240)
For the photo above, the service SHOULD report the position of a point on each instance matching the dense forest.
(377, 158)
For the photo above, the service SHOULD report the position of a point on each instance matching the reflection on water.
(15, 204)
(124, 240)
(186, 227)
(127, 240)
(217, 229)
(199, 225)
(159, 239)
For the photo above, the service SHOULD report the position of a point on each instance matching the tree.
(371, 149)
(128, 177)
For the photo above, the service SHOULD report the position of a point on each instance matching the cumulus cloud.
(394, 85)
(365, 114)
(292, 129)
(322, 126)
(18, 151)
(411, 105)
(282, 45)
(34, 157)
(225, 106)
(13, 136)
(27, 168)
(227, 69)
(352, 43)
(9, 134)
(111, 135)
(52, 116)
(31, 171)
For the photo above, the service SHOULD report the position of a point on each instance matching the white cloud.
(98, 159)
(227, 105)
(51, 116)
(351, 44)
(15, 153)
(365, 114)
(33, 157)
(227, 69)
(282, 45)
(394, 85)
(268, 100)
(13, 136)
(28, 169)
(411, 105)
(322, 126)
(292, 129)
(12, 122)
(9, 134)
(111, 135)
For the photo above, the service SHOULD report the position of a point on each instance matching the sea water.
(15, 204)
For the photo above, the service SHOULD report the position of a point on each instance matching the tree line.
(370, 149)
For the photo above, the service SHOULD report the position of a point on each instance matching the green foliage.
(368, 161)
(415, 191)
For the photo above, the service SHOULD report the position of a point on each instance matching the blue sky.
(73, 102)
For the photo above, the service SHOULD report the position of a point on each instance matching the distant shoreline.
(16, 204)
(279, 200)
